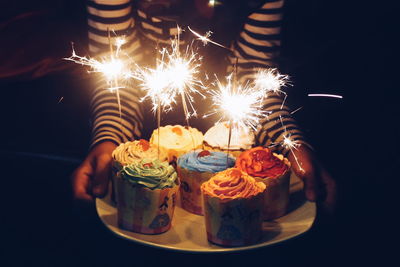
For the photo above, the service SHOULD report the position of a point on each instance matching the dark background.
(328, 47)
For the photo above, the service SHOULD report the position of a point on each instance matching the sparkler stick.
(115, 80)
(112, 67)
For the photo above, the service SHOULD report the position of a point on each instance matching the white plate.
(188, 231)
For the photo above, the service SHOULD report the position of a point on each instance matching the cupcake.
(146, 196)
(274, 171)
(130, 152)
(195, 168)
(177, 140)
(233, 208)
(217, 138)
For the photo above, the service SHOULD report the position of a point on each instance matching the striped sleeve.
(257, 47)
(107, 122)
(114, 16)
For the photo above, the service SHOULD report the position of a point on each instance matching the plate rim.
(201, 251)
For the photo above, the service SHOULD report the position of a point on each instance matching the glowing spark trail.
(326, 95)
(205, 39)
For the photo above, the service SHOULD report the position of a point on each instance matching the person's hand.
(91, 178)
(319, 186)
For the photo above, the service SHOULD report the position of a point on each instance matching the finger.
(101, 176)
(312, 186)
(80, 183)
(330, 185)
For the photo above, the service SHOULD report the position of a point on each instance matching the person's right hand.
(91, 178)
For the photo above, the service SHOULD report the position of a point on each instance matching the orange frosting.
(232, 184)
(144, 144)
(177, 131)
(260, 162)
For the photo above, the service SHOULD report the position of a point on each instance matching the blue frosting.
(215, 162)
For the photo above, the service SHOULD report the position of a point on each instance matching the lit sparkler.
(290, 144)
(114, 69)
(270, 80)
(175, 74)
(241, 105)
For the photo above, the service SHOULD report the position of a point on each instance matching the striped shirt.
(256, 46)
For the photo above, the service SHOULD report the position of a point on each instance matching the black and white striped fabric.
(256, 47)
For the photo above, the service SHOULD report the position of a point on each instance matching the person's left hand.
(319, 186)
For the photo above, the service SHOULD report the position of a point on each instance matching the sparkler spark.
(175, 74)
(241, 105)
(205, 39)
(112, 67)
(270, 80)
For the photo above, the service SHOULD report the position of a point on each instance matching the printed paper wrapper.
(190, 192)
(115, 168)
(143, 210)
(235, 222)
(234, 152)
(276, 196)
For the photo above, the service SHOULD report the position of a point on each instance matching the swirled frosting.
(232, 184)
(261, 162)
(218, 136)
(130, 152)
(152, 174)
(177, 137)
(205, 161)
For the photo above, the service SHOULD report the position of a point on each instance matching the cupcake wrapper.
(276, 196)
(115, 168)
(235, 222)
(144, 210)
(190, 192)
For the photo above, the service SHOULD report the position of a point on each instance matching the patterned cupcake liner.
(190, 192)
(143, 210)
(236, 222)
(276, 196)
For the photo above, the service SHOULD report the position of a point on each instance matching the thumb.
(101, 176)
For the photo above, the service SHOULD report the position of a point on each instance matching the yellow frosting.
(177, 138)
(131, 152)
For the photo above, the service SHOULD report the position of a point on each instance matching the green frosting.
(150, 173)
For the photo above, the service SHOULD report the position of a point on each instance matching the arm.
(258, 47)
(90, 179)
(115, 16)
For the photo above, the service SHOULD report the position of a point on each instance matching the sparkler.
(290, 144)
(114, 69)
(174, 75)
(271, 81)
(241, 105)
